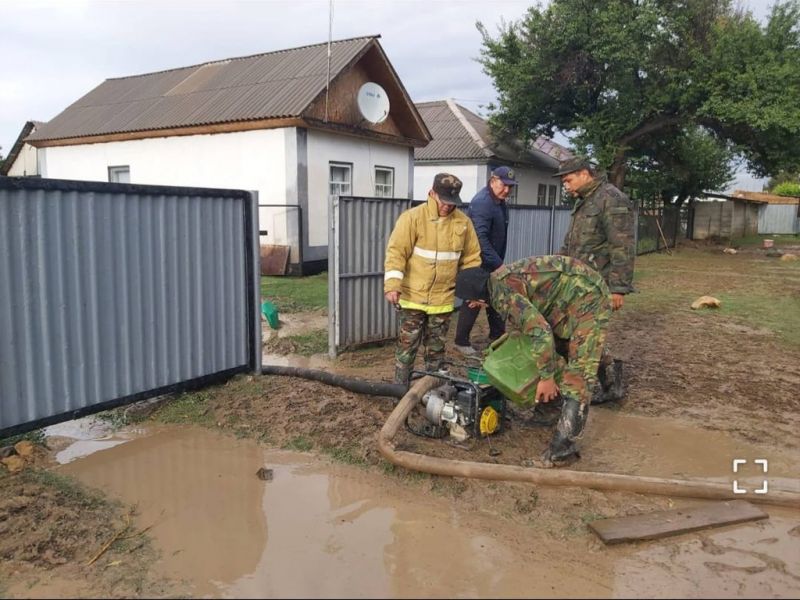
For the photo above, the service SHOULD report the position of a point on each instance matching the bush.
(788, 188)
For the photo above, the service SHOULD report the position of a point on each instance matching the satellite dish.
(373, 103)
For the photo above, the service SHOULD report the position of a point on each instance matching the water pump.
(462, 408)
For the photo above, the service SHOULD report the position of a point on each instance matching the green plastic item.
(511, 368)
(477, 375)
(270, 312)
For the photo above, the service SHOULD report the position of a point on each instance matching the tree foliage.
(643, 82)
(680, 166)
(787, 188)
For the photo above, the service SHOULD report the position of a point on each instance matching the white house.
(464, 146)
(284, 124)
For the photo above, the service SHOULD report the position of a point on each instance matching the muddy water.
(314, 530)
(322, 530)
(662, 447)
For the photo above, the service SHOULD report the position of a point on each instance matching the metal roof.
(461, 135)
(263, 86)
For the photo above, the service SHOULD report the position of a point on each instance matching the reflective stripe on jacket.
(424, 253)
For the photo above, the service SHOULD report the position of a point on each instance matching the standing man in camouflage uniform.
(428, 246)
(601, 233)
(552, 299)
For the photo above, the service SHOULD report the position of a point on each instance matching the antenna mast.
(328, 79)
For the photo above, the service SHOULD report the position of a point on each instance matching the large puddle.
(315, 529)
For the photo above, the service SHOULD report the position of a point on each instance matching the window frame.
(344, 165)
(541, 195)
(552, 195)
(385, 169)
(115, 170)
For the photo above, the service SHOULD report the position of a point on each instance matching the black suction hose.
(360, 386)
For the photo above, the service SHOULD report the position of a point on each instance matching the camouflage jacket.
(601, 233)
(541, 294)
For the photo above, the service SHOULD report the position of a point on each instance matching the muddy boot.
(616, 389)
(544, 414)
(609, 387)
(563, 449)
(402, 373)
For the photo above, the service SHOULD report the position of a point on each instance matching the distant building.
(464, 146)
(744, 213)
(22, 160)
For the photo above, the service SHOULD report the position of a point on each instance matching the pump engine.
(462, 409)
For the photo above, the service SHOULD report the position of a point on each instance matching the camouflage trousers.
(418, 327)
(580, 339)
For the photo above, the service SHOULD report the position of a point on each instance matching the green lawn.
(296, 294)
(754, 291)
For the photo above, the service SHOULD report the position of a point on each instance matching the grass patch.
(69, 488)
(35, 437)
(306, 344)
(779, 314)
(348, 455)
(299, 443)
(756, 240)
(189, 407)
(315, 342)
(296, 294)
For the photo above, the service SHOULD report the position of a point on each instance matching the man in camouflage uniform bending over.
(601, 234)
(551, 298)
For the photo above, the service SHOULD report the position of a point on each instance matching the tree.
(782, 177)
(623, 77)
(680, 166)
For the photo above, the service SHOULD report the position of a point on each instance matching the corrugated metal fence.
(359, 231)
(779, 218)
(112, 293)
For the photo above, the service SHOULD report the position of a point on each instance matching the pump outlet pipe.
(360, 386)
(554, 477)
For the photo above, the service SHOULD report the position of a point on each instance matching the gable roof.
(461, 135)
(30, 126)
(275, 85)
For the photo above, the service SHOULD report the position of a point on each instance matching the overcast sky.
(54, 51)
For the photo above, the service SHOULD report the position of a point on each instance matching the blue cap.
(506, 175)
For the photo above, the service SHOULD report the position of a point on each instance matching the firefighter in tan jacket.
(430, 243)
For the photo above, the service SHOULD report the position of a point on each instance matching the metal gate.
(359, 230)
(111, 293)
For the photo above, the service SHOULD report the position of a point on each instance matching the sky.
(55, 51)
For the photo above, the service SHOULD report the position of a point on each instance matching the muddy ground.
(720, 371)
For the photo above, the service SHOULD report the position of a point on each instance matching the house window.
(513, 194)
(119, 174)
(384, 182)
(341, 179)
(541, 197)
(553, 194)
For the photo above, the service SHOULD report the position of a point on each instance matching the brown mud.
(703, 390)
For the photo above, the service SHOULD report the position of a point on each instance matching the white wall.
(245, 160)
(472, 176)
(26, 164)
(475, 176)
(363, 155)
(528, 184)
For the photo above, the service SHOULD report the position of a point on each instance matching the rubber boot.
(609, 387)
(616, 389)
(563, 450)
(544, 414)
(402, 373)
